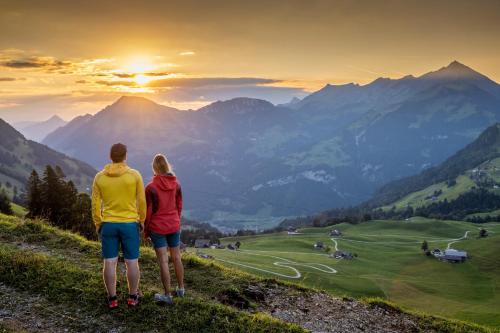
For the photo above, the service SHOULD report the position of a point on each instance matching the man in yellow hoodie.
(119, 211)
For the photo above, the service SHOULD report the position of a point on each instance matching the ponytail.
(161, 166)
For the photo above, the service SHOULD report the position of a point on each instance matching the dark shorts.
(126, 234)
(170, 240)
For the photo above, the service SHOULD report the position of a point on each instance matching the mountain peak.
(55, 118)
(133, 99)
(239, 105)
(455, 70)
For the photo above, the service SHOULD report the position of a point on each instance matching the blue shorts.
(126, 234)
(170, 240)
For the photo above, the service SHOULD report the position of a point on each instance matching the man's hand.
(141, 227)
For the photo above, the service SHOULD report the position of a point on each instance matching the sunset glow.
(184, 53)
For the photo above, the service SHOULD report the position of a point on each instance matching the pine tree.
(51, 196)
(82, 216)
(34, 195)
(425, 246)
(5, 207)
(68, 199)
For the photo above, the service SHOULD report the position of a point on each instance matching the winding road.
(282, 262)
(294, 265)
(457, 239)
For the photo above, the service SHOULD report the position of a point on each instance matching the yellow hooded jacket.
(118, 195)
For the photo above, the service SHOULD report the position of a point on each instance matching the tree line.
(57, 200)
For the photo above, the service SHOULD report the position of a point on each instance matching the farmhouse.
(202, 243)
(452, 255)
(437, 253)
(342, 255)
(336, 233)
(319, 246)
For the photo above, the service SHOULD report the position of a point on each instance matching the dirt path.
(457, 240)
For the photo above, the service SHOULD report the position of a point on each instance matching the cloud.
(81, 81)
(34, 62)
(209, 82)
(187, 53)
(117, 83)
(7, 79)
(156, 74)
(124, 75)
(271, 93)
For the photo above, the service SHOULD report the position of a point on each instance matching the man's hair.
(118, 152)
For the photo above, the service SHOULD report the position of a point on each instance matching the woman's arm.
(178, 199)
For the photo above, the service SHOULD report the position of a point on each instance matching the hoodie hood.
(165, 182)
(115, 169)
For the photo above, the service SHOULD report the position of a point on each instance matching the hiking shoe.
(163, 299)
(133, 300)
(112, 302)
(180, 292)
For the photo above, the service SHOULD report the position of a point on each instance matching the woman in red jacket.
(163, 224)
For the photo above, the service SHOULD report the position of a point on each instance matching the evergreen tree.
(82, 216)
(34, 195)
(425, 246)
(51, 196)
(5, 207)
(68, 199)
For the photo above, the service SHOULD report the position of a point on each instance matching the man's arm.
(141, 199)
(96, 205)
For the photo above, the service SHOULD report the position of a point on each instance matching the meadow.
(389, 264)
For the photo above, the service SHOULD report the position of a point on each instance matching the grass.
(65, 268)
(463, 184)
(390, 265)
(19, 211)
(423, 197)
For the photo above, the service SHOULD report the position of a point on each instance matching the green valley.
(389, 264)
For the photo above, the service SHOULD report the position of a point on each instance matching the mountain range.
(38, 130)
(19, 156)
(246, 162)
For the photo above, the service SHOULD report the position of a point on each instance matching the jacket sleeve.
(149, 211)
(96, 204)
(141, 199)
(178, 199)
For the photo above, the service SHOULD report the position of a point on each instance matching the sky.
(76, 57)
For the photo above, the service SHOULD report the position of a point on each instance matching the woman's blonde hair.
(161, 166)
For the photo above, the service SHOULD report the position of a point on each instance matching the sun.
(139, 65)
(142, 79)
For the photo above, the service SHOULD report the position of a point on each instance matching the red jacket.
(164, 205)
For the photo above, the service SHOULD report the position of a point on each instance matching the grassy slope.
(19, 211)
(390, 265)
(66, 269)
(464, 184)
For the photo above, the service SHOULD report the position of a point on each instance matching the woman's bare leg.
(162, 257)
(175, 254)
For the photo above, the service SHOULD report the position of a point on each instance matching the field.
(389, 264)
(490, 171)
